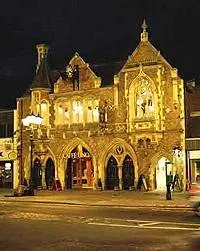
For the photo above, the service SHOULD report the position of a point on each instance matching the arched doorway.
(163, 174)
(80, 171)
(112, 178)
(49, 173)
(36, 174)
(128, 173)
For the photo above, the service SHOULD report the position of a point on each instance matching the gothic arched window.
(144, 100)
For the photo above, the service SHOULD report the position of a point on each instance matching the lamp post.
(30, 121)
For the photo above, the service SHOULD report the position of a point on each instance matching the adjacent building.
(192, 107)
(111, 126)
(8, 151)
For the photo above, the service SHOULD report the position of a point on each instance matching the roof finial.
(144, 34)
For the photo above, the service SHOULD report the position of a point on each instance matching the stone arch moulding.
(134, 85)
(44, 100)
(108, 152)
(66, 151)
(154, 161)
(141, 75)
(156, 157)
(51, 155)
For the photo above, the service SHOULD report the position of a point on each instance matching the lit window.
(45, 113)
(96, 114)
(77, 112)
(66, 114)
(144, 100)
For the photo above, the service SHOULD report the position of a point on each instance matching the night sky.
(99, 30)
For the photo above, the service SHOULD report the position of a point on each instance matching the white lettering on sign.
(78, 155)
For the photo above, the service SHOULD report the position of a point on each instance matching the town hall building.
(122, 131)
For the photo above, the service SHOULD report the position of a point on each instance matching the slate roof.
(146, 54)
(106, 71)
(41, 79)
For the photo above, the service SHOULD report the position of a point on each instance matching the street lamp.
(30, 121)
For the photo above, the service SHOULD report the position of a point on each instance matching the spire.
(41, 79)
(42, 50)
(144, 34)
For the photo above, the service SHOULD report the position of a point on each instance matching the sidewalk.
(104, 198)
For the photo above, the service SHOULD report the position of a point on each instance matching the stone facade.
(109, 137)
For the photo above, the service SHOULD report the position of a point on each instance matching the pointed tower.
(41, 79)
(145, 53)
(41, 86)
(144, 34)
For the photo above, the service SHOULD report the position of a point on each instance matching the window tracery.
(45, 112)
(144, 100)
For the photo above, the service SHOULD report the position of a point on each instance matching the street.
(49, 226)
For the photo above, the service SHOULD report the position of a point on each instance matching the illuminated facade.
(105, 136)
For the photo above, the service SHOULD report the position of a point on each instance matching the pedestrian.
(140, 182)
(169, 191)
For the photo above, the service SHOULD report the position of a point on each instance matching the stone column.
(120, 177)
(96, 176)
(43, 177)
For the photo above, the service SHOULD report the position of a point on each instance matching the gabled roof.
(145, 53)
(106, 71)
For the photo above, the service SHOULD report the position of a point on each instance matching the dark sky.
(99, 30)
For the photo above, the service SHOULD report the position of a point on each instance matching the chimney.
(42, 50)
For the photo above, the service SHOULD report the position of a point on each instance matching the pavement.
(103, 198)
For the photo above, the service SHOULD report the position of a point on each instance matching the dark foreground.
(38, 226)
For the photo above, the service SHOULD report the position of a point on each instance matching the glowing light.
(67, 114)
(140, 101)
(32, 119)
(96, 112)
(77, 108)
(151, 108)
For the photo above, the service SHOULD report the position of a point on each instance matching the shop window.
(6, 175)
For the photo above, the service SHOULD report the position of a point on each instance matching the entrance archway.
(36, 174)
(112, 178)
(162, 174)
(128, 173)
(80, 171)
(49, 173)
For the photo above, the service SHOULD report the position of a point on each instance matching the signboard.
(12, 155)
(194, 154)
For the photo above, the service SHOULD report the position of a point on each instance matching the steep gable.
(145, 53)
(78, 76)
(87, 78)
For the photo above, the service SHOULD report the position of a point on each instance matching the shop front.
(6, 174)
(79, 169)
